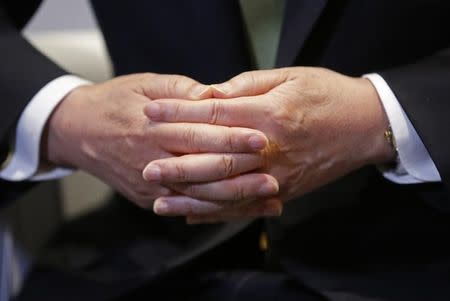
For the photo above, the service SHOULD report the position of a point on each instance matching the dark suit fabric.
(359, 238)
(23, 72)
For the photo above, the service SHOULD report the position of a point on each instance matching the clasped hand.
(239, 149)
(320, 126)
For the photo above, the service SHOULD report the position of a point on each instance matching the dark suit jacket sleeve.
(423, 90)
(23, 72)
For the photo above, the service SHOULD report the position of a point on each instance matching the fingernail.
(160, 207)
(153, 111)
(268, 188)
(152, 173)
(164, 191)
(257, 142)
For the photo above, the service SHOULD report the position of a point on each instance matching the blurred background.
(78, 16)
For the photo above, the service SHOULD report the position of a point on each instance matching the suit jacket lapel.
(300, 16)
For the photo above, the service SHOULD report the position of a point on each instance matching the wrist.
(380, 147)
(59, 144)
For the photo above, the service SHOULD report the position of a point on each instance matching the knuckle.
(181, 173)
(184, 84)
(173, 83)
(162, 191)
(281, 117)
(250, 80)
(176, 111)
(229, 141)
(192, 139)
(192, 87)
(238, 194)
(239, 79)
(186, 79)
(216, 110)
(146, 77)
(246, 74)
(192, 191)
(228, 165)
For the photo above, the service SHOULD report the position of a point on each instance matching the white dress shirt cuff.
(415, 164)
(24, 163)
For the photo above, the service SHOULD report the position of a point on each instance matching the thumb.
(250, 83)
(176, 86)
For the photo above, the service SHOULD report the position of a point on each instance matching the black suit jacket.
(361, 236)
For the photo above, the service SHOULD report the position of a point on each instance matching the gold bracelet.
(7, 160)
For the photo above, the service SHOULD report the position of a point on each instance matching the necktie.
(263, 19)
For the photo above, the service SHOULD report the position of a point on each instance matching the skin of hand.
(321, 125)
(102, 129)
